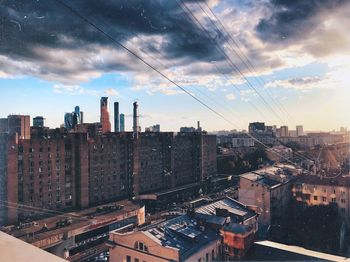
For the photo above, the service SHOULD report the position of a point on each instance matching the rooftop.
(13, 250)
(235, 208)
(340, 180)
(181, 233)
(272, 176)
(88, 219)
(272, 251)
(237, 228)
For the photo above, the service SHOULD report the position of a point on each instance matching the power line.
(223, 52)
(160, 73)
(247, 61)
(230, 62)
(226, 106)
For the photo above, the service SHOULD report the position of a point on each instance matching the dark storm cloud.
(293, 19)
(29, 24)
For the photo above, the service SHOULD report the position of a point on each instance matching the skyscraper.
(104, 115)
(77, 115)
(122, 123)
(38, 121)
(135, 126)
(116, 117)
(81, 117)
(68, 120)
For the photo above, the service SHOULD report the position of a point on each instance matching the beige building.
(315, 190)
(197, 236)
(268, 190)
(178, 239)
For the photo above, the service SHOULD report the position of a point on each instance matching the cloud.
(111, 92)
(230, 96)
(316, 25)
(73, 90)
(53, 44)
(68, 89)
(293, 19)
(335, 78)
(46, 34)
(303, 83)
(247, 95)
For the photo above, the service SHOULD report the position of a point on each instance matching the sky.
(223, 63)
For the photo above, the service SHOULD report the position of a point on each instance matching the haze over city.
(181, 130)
(49, 66)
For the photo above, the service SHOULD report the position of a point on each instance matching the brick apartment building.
(63, 170)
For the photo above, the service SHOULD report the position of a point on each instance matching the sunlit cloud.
(112, 92)
(73, 90)
(230, 96)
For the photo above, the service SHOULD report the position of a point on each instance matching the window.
(212, 255)
(140, 246)
(206, 257)
(136, 260)
(315, 198)
(199, 259)
(324, 199)
(334, 200)
(128, 258)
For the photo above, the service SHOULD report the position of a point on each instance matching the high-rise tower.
(122, 123)
(38, 121)
(77, 115)
(135, 126)
(116, 117)
(104, 115)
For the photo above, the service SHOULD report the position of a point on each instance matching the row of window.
(333, 199)
(312, 187)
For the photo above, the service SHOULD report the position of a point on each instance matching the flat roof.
(156, 195)
(290, 252)
(80, 219)
(237, 228)
(16, 250)
(232, 206)
(340, 180)
(181, 233)
(272, 176)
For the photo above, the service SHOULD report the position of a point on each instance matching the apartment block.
(268, 190)
(316, 190)
(60, 169)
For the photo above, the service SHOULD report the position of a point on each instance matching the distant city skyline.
(148, 119)
(302, 63)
